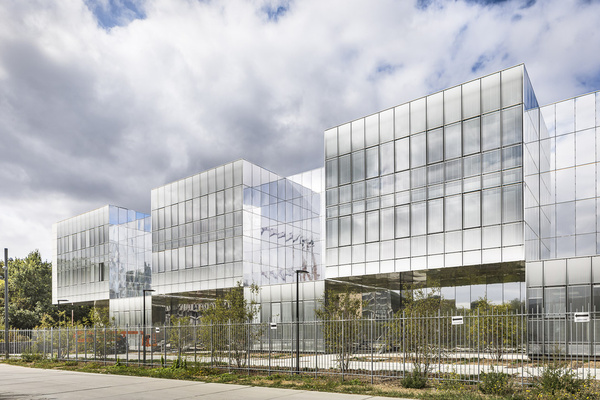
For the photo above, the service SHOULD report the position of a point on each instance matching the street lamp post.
(6, 341)
(144, 291)
(59, 342)
(298, 272)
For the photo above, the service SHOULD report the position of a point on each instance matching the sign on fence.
(581, 317)
(457, 321)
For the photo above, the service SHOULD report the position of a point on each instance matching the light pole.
(6, 302)
(144, 320)
(298, 272)
(58, 307)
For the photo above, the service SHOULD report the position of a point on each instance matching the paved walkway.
(23, 383)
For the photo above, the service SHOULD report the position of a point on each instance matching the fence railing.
(457, 347)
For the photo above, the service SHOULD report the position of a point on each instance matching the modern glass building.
(236, 223)
(103, 258)
(434, 192)
(475, 189)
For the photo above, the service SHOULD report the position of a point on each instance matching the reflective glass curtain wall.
(236, 223)
(101, 254)
(433, 183)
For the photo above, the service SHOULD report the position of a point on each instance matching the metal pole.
(144, 321)
(6, 339)
(298, 272)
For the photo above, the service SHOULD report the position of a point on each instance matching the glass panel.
(555, 300)
(402, 154)
(452, 105)
(345, 230)
(490, 93)
(417, 150)
(490, 131)
(453, 141)
(453, 212)
(331, 173)
(491, 161)
(435, 216)
(344, 172)
(332, 233)
(372, 226)
(358, 228)
(512, 125)
(585, 107)
(387, 158)
(453, 170)
(386, 125)
(512, 157)
(512, 203)
(418, 219)
(372, 162)
(585, 145)
(402, 221)
(344, 139)
(579, 298)
(471, 99)
(402, 120)
(417, 116)
(387, 224)
(491, 206)
(585, 181)
(565, 117)
(435, 146)
(435, 110)
(331, 147)
(372, 130)
(358, 165)
(471, 137)
(358, 134)
(512, 86)
(418, 177)
(472, 210)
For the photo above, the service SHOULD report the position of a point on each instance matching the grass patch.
(451, 390)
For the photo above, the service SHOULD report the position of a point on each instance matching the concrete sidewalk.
(41, 384)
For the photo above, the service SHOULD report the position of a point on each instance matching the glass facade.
(101, 255)
(236, 223)
(435, 183)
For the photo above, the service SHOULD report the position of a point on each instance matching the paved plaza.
(23, 383)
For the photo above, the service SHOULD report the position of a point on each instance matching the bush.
(555, 378)
(414, 380)
(497, 383)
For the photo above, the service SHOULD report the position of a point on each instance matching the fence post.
(165, 344)
(104, 353)
(127, 344)
(212, 351)
(439, 344)
(195, 339)
(316, 348)
(478, 342)
(229, 346)
(371, 341)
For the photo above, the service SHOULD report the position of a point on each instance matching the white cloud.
(93, 116)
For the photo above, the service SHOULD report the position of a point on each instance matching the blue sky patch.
(274, 12)
(116, 12)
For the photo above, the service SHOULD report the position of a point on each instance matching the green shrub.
(497, 383)
(414, 380)
(556, 377)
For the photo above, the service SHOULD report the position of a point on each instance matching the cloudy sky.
(101, 101)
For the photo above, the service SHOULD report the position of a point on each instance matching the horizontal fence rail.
(440, 347)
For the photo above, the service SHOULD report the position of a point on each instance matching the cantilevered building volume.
(475, 189)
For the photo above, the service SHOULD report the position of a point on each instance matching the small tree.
(495, 326)
(341, 314)
(421, 330)
(226, 325)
